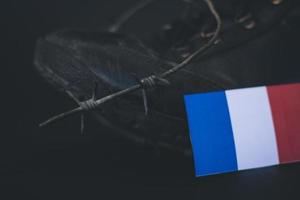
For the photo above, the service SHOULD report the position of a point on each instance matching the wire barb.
(148, 83)
(87, 105)
(144, 83)
(94, 96)
(82, 124)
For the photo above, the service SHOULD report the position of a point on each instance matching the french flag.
(244, 128)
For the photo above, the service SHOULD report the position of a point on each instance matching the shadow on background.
(57, 163)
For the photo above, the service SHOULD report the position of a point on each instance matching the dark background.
(58, 163)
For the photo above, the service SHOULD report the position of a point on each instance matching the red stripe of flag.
(285, 106)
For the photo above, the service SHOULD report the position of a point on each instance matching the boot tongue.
(196, 19)
(241, 19)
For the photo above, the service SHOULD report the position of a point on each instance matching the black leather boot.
(258, 45)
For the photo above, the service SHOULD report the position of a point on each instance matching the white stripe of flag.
(253, 129)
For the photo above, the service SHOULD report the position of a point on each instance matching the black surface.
(57, 163)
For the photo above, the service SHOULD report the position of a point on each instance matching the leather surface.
(73, 60)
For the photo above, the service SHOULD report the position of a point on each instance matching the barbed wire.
(144, 83)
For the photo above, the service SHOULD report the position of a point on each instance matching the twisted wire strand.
(204, 47)
(88, 105)
(147, 82)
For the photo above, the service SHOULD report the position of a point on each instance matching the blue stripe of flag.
(211, 133)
